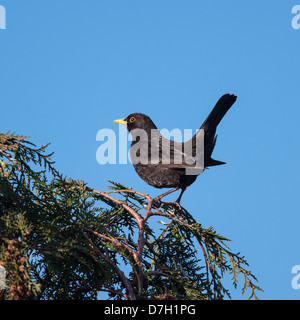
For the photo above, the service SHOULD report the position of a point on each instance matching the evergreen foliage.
(60, 239)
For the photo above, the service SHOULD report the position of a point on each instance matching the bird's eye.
(132, 119)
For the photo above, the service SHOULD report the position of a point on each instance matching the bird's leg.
(177, 202)
(156, 201)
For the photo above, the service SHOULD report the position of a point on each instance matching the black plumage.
(162, 163)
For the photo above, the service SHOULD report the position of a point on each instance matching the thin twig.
(137, 217)
(130, 191)
(113, 240)
(125, 281)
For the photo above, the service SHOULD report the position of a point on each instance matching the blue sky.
(69, 68)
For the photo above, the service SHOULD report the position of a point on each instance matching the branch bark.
(141, 223)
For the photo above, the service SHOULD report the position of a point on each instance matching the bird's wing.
(176, 156)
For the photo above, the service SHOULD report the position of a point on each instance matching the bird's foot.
(171, 204)
(178, 205)
(156, 202)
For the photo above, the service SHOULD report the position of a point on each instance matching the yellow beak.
(120, 121)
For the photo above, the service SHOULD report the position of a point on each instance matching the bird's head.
(137, 121)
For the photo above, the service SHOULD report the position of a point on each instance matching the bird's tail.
(218, 112)
(210, 126)
(213, 162)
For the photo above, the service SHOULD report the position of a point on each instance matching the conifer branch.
(61, 239)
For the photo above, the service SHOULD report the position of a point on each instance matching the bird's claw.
(178, 205)
(171, 204)
(156, 202)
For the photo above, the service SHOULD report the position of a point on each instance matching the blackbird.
(167, 168)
